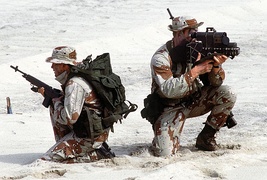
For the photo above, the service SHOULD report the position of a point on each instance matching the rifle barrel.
(17, 69)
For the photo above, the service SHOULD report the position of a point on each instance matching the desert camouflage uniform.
(176, 87)
(69, 148)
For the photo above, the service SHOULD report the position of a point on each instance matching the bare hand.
(41, 90)
(203, 67)
(219, 59)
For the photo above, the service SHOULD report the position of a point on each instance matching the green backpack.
(107, 85)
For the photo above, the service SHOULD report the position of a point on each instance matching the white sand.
(130, 31)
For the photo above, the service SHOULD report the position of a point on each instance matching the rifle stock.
(49, 92)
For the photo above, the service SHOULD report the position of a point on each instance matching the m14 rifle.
(49, 92)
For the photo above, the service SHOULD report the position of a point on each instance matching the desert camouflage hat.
(181, 22)
(63, 55)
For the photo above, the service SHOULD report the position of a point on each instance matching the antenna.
(171, 17)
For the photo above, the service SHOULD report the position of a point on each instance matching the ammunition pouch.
(153, 107)
(88, 125)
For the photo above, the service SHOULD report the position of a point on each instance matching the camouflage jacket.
(77, 94)
(176, 84)
(173, 84)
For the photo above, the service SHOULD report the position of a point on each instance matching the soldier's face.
(183, 37)
(187, 33)
(59, 68)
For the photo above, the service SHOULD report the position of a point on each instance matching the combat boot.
(104, 152)
(206, 139)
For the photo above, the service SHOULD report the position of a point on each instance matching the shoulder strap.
(169, 45)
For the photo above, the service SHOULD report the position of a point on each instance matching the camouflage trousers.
(71, 149)
(219, 101)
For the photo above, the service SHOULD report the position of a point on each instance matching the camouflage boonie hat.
(63, 55)
(181, 22)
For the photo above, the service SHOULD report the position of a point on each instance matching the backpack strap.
(91, 128)
(132, 108)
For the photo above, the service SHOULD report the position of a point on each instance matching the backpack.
(108, 86)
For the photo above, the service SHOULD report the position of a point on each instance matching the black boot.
(104, 152)
(206, 139)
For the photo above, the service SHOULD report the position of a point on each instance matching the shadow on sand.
(22, 159)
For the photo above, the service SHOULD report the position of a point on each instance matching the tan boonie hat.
(63, 55)
(181, 22)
